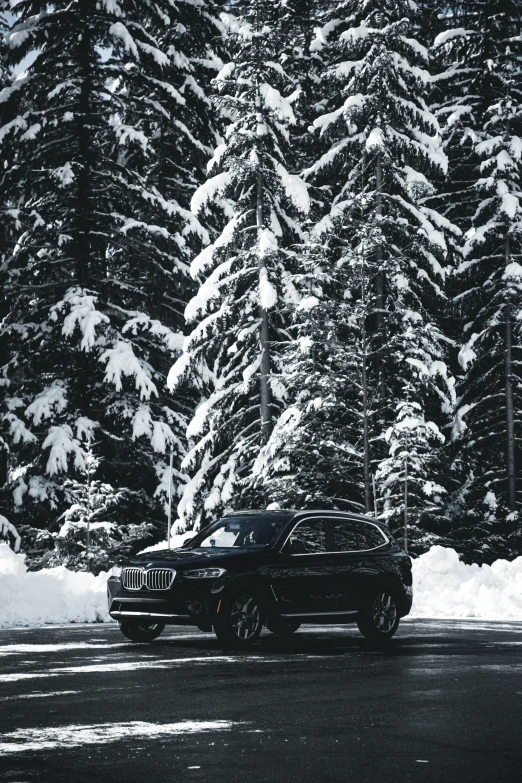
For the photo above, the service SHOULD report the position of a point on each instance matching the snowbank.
(54, 595)
(176, 541)
(443, 587)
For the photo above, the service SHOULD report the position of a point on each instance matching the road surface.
(441, 702)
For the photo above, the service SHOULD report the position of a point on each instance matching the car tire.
(378, 618)
(281, 627)
(239, 619)
(141, 632)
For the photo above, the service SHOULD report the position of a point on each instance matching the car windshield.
(241, 532)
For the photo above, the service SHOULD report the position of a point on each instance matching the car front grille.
(132, 578)
(154, 579)
(159, 578)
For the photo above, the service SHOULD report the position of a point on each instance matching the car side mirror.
(187, 542)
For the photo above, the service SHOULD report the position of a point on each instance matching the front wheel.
(239, 620)
(281, 627)
(379, 617)
(141, 631)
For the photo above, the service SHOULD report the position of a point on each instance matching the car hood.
(194, 558)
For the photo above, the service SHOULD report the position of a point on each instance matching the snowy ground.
(443, 588)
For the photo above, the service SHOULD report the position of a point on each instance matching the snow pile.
(53, 595)
(445, 587)
(176, 542)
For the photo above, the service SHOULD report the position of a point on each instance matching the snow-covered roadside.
(53, 595)
(444, 588)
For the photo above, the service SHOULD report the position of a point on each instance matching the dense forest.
(275, 244)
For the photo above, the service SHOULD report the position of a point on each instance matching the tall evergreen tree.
(490, 412)
(381, 145)
(98, 273)
(319, 453)
(234, 353)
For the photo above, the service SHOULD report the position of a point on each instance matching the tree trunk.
(265, 396)
(83, 217)
(379, 282)
(366, 442)
(367, 478)
(510, 419)
(406, 497)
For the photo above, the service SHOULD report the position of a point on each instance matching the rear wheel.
(281, 627)
(379, 617)
(239, 620)
(141, 631)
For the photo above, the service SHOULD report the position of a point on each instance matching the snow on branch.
(118, 30)
(9, 532)
(277, 104)
(172, 340)
(61, 443)
(122, 361)
(267, 292)
(209, 190)
(295, 188)
(158, 432)
(18, 431)
(51, 401)
(83, 314)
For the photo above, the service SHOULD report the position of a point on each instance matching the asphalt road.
(441, 702)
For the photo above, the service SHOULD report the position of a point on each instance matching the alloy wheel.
(384, 612)
(246, 617)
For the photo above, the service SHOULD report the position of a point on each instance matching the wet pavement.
(442, 701)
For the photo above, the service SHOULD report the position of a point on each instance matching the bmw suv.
(274, 568)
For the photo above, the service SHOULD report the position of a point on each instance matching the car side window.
(372, 536)
(348, 536)
(307, 538)
(352, 536)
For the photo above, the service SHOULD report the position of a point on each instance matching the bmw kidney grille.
(154, 579)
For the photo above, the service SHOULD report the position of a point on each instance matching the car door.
(354, 546)
(302, 577)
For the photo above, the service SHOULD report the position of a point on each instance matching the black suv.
(273, 568)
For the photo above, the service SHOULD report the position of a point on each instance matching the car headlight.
(205, 573)
(115, 572)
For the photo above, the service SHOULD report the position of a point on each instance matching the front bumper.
(194, 605)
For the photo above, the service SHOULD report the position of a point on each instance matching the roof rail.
(258, 511)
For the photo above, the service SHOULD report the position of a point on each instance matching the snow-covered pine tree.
(319, 454)
(95, 279)
(490, 412)
(303, 65)
(6, 218)
(233, 355)
(381, 146)
(5, 81)
(407, 474)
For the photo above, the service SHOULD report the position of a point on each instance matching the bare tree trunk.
(510, 418)
(406, 496)
(379, 282)
(367, 477)
(265, 395)
(366, 440)
(83, 250)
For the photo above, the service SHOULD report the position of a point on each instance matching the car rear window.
(352, 536)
